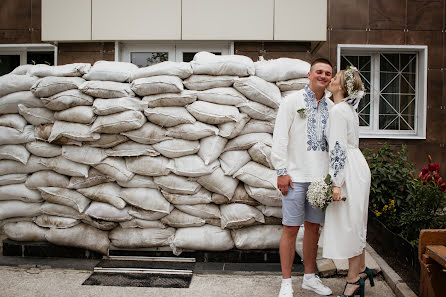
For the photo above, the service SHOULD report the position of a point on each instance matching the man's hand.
(336, 194)
(283, 182)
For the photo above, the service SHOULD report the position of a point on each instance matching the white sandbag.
(83, 154)
(10, 179)
(193, 131)
(230, 130)
(268, 197)
(99, 224)
(12, 167)
(14, 152)
(224, 96)
(258, 111)
(157, 85)
(179, 219)
(204, 211)
(270, 211)
(65, 166)
(111, 71)
(140, 238)
(209, 63)
(94, 178)
(119, 122)
(142, 224)
(11, 83)
(23, 69)
(204, 238)
(170, 99)
(237, 215)
(211, 148)
(257, 175)
(82, 236)
(106, 89)
(74, 131)
(74, 69)
(148, 199)
(219, 183)
(149, 133)
(107, 212)
(66, 197)
(13, 136)
(110, 106)
(46, 178)
(43, 149)
(281, 69)
(47, 221)
(19, 192)
(181, 69)
(115, 168)
(139, 181)
(106, 193)
(59, 210)
(211, 113)
(261, 153)
(149, 215)
(108, 140)
(24, 231)
(13, 121)
(241, 196)
(174, 148)
(50, 85)
(219, 199)
(259, 90)
(9, 103)
(150, 166)
(257, 126)
(67, 99)
(177, 184)
(257, 237)
(205, 82)
(131, 149)
(77, 114)
(292, 84)
(246, 141)
(192, 166)
(16, 208)
(169, 116)
(201, 197)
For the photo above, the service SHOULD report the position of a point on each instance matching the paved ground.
(30, 281)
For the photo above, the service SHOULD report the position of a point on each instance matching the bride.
(346, 221)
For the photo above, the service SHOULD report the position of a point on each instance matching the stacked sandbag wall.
(174, 154)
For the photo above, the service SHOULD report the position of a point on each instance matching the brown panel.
(387, 14)
(347, 14)
(324, 51)
(435, 126)
(434, 41)
(287, 46)
(295, 55)
(15, 14)
(240, 46)
(253, 55)
(15, 36)
(36, 36)
(434, 89)
(425, 14)
(85, 52)
(386, 37)
(36, 14)
(344, 37)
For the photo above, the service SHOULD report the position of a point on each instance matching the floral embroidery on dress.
(337, 158)
(316, 121)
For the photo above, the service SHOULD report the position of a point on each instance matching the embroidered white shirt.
(300, 146)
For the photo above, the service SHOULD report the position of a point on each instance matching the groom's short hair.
(321, 60)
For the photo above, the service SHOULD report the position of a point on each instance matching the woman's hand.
(336, 194)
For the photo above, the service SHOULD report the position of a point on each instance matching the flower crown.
(349, 81)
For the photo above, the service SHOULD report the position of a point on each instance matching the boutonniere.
(302, 112)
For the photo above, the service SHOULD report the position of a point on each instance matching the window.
(13, 55)
(395, 81)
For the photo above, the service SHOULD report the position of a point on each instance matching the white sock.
(286, 281)
(308, 276)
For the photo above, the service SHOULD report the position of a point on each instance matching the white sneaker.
(315, 284)
(286, 290)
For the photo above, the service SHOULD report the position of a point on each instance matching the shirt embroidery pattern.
(337, 158)
(282, 171)
(316, 122)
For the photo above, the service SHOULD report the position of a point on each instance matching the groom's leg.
(311, 237)
(287, 249)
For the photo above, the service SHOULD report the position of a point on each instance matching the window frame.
(374, 51)
(23, 49)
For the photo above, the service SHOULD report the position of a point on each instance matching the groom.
(300, 156)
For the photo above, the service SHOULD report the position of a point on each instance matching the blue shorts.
(296, 209)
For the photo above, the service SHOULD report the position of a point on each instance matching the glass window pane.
(144, 59)
(40, 58)
(389, 62)
(8, 63)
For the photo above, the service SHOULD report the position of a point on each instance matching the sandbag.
(13, 121)
(66, 197)
(14, 152)
(140, 238)
(106, 89)
(11, 83)
(74, 69)
(22, 69)
(13, 136)
(147, 199)
(268, 197)
(236, 215)
(131, 149)
(193, 131)
(47, 221)
(230, 130)
(24, 231)
(115, 168)
(46, 178)
(43, 149)
(94, 178)
(271, 211)
(192, 166)
(16, 208)
(67, 99)
(258, 111)
(211, 113)
(119, 122)
(204, 211)
(99, 224)
(149, 133)
(201, 197)
(257, 237)
(211, 148)
(19, 192)
(205, 82)
(179, 219)
(224, 96)
(281, 69)
(259, 90)
(181, 69)
(257, 126)
(139, 181)
(107, 212)
(111, 71)
(13, 167)
(169, 116)
(143, 224)
(110, 106)
(10, 179)
(170, 99)
(209, 63)
(157, 85)
(177, 184)
(241, 196)
(10, 102)
(150, 166)
(51, 85)
(246, 141)
(77, 114)
(107, 193)
(60, 210)
(174, 148)
(82, 236)
(148, 214)
(108, 140)
(292, 84)
(74, 131)
(257, 175)
(65, 166)
(261, 153)
(219, 183)
(83, 154)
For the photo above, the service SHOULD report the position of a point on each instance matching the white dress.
(345, 225)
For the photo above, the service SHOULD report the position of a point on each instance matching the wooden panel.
(36, 14)
(387, 14)
(347, 14)
(15, 36)
(386, 37)
(85, 52)
(434, 41)
(425, 15)
(15, 14)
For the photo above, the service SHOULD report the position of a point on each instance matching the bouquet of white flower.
(320, 192)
